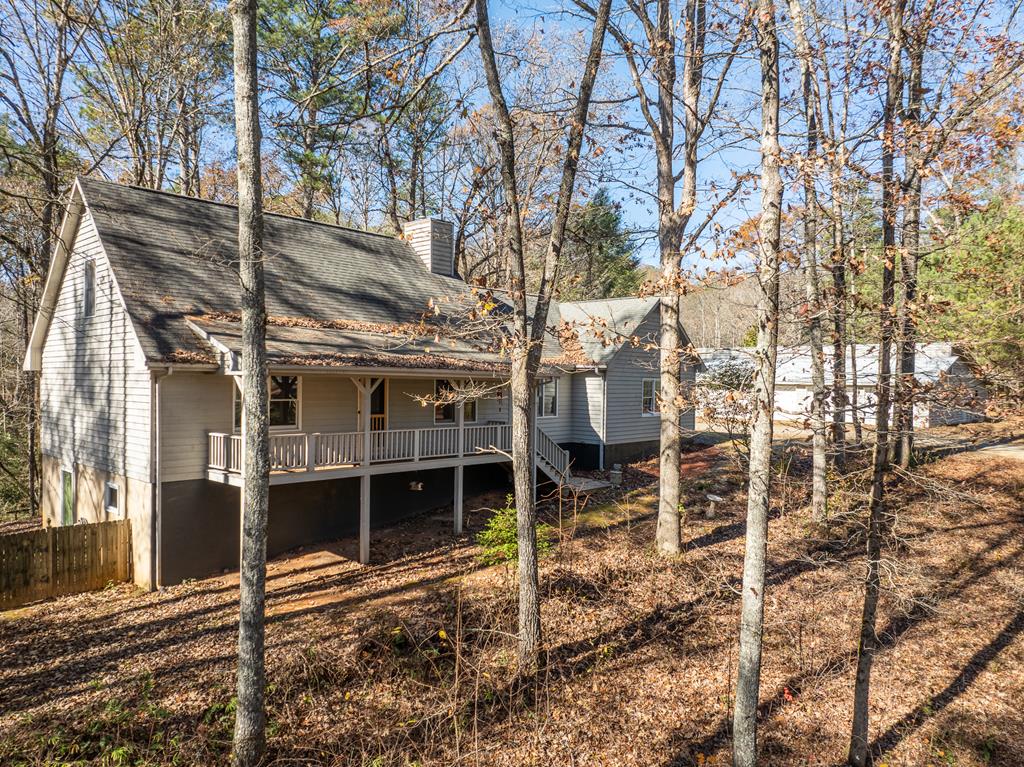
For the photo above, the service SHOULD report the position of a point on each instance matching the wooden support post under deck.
(460, 420)
(241, 472)
(365, 387)
(364, 519)
(458, 499)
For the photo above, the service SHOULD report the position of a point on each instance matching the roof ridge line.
(169, 193)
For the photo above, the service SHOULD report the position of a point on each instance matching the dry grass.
(411, 661)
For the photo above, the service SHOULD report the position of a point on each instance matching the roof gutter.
(389, 371)
(198, 367)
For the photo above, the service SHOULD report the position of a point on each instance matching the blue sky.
(715, 168)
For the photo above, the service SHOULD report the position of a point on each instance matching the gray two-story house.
(138, 345)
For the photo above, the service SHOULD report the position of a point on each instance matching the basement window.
(112, 499)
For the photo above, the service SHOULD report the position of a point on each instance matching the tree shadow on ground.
(889, 635)
(60, 648)
(974, 667)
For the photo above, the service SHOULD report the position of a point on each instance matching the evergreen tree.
(978, 285)
(601, 260)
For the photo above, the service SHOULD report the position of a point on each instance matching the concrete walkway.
(1009, 450)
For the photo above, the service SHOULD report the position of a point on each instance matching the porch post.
(458, 499)
(241, 468)
(533, 450)
(365, 390)
(460, 421)
(364, 519)
(311, 440)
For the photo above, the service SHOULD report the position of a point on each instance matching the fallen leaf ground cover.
(409, 661)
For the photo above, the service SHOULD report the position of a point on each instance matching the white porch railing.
(338, 448)
(549, 450)
(225, 451)
(392, 445)
(442, 442)
(488, 439)
(288, 451)
(308, 452)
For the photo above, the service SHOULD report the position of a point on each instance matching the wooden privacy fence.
(54, 561)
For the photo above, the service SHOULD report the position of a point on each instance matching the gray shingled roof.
(335, 347)
(175, 256)
(605, 325)
(175, 259)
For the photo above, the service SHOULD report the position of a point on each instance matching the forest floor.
(410, 661)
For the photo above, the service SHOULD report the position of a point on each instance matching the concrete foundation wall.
(200, 525)
(583, 455)
(625, 452)
(135, 503)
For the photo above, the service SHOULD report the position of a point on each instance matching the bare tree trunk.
(528, 330)
(43, 34)
(659, 113)
(250, 717)
(748, 681)
(819, 494)
(858, 430)
(839, 328)
(524, 413)
(858, 755)
(667, 534)
(907, 344)
(669, 527)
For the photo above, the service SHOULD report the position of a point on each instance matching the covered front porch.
(389, 425)
(297, 457)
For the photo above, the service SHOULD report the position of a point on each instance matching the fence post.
(51, 554)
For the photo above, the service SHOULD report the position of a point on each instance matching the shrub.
(499, 540)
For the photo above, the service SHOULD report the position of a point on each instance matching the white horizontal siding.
(625, 421)
(587, 407)
(94, 385)
(405, 411)
(329, 404)
(559, 426)
(191, 404)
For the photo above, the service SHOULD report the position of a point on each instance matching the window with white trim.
(284, 402)
(89, 289)
(547, 398)
(285, 394)
(112, 499)
(444, 408)
(651, 404)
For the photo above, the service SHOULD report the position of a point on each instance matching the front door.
(379, 407)
(67, 498)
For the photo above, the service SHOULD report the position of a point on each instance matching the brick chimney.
(433, 240)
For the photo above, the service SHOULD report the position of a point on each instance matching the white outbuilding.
(948, 392)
